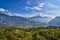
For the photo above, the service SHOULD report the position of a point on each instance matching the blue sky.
(31, 7)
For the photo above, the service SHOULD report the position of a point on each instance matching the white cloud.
(29, 15)
(33, 8)
(41, 4)
(18, 14)
(45, 15)
(36, 14)
(50, 5)
(53, 12)
(10, 14)
(2, 10)
(38, 7)
(32, 14)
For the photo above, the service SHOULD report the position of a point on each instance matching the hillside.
(13, 33)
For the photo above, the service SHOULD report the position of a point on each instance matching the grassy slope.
(12, 33)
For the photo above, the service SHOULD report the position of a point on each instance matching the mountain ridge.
(19, 21)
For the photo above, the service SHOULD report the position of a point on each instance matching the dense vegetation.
(13, 33)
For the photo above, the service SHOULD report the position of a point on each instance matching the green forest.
(14, 33)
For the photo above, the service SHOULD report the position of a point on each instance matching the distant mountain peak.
(58, 17)
(55, 21)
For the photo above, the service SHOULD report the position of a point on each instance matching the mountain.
(55, 21)
(11, 20)
(40, 19)
(22, 22)
(2, 16)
